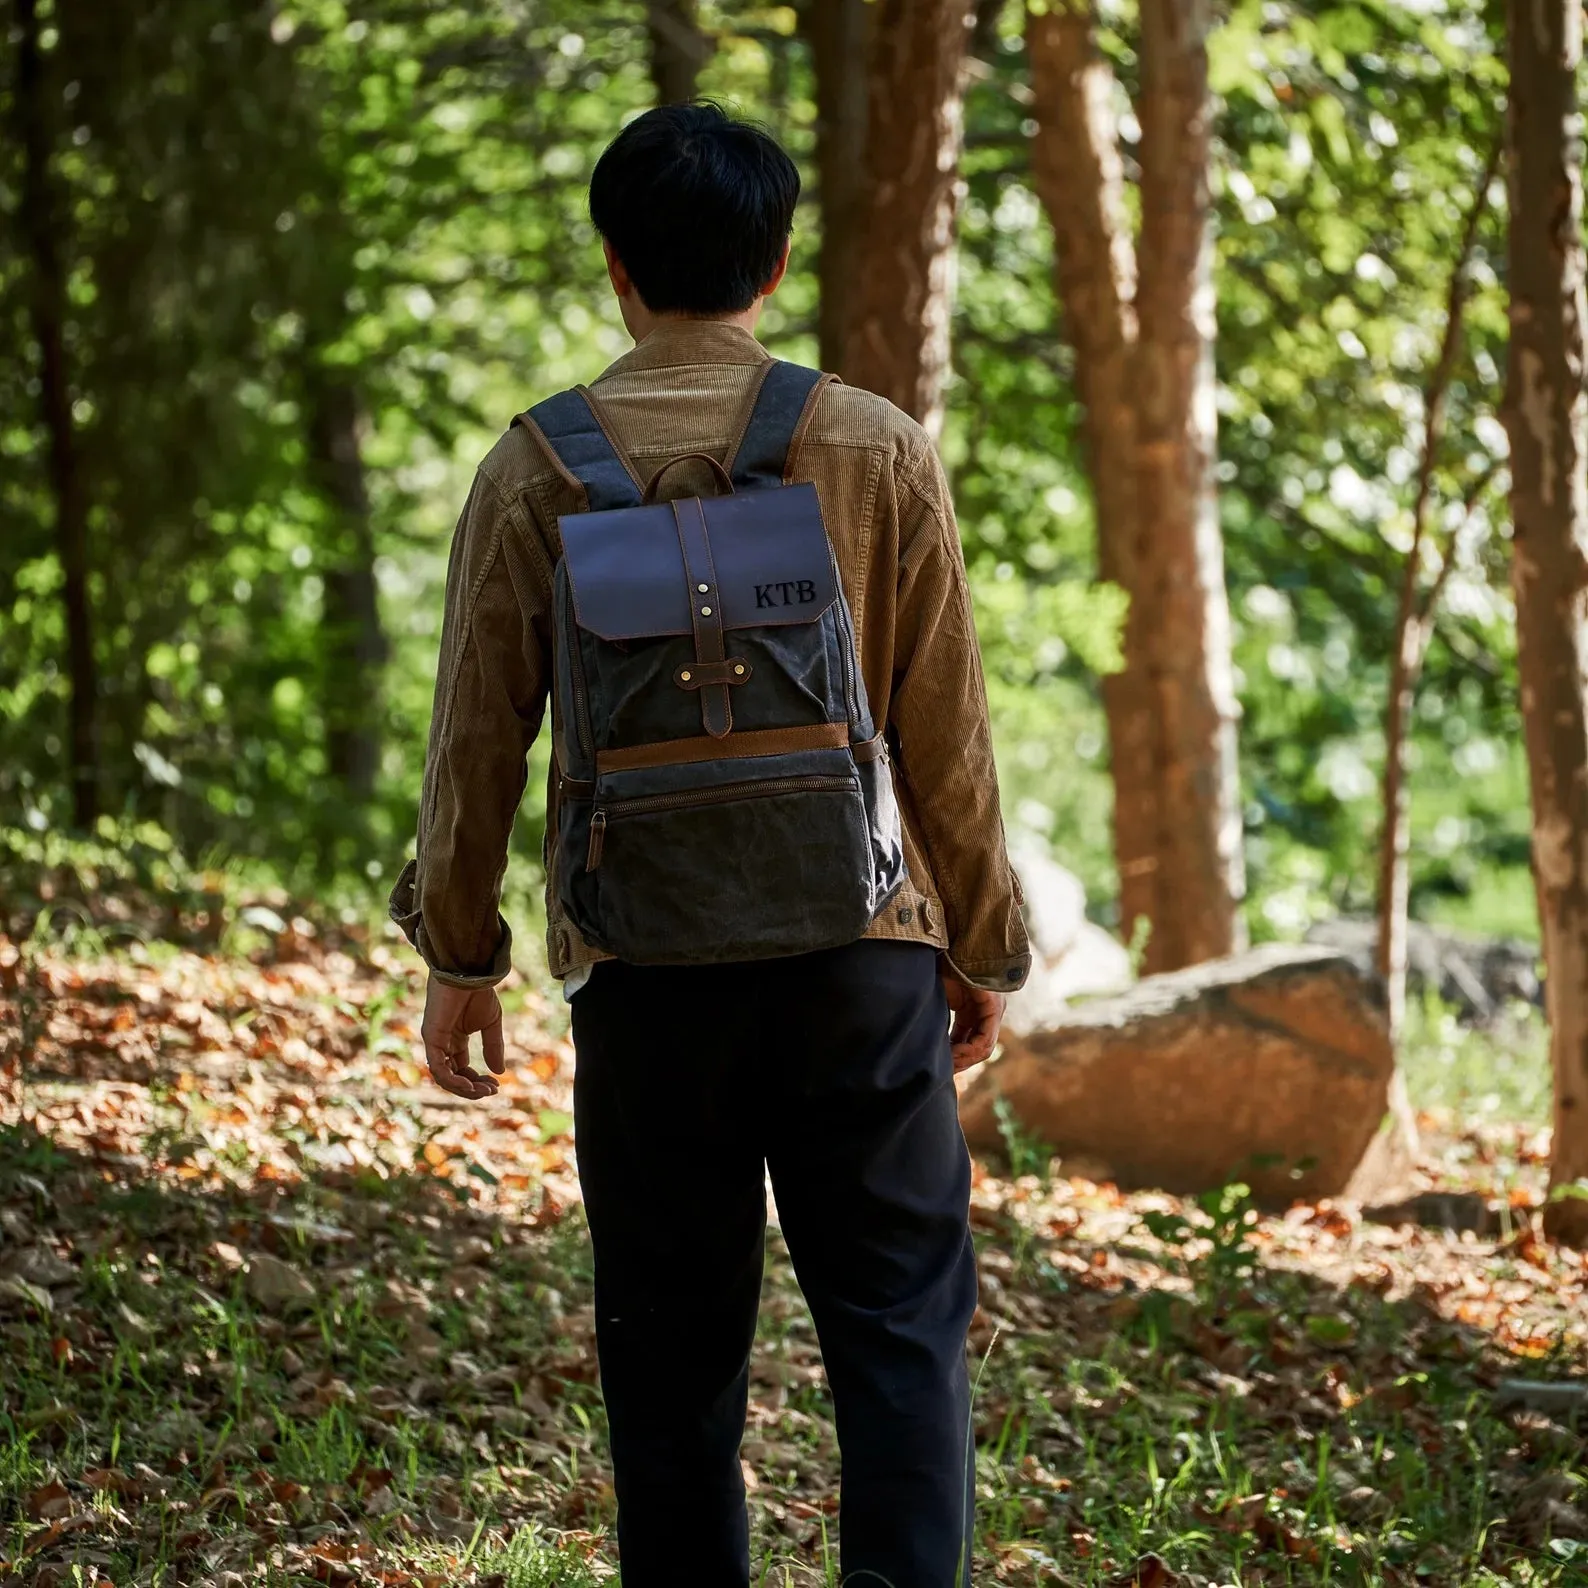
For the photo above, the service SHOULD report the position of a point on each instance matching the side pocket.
(578, 888)
(887, 838)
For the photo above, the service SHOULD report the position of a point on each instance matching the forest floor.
(274, 1309)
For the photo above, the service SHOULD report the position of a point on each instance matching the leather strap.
(791, 459)
(697, 675)
(741, 420)
(759, 741)
(572, 429)
(705, 611)
(870, 750)
(717, 469)
(621, 452)
(782, 410)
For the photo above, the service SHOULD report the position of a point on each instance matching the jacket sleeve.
(491, 686)
(944, 742)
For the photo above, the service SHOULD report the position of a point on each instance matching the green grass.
(1216, 1424)
(1255, 1400)
(1500, 1073)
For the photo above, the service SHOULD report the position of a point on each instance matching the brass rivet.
(685, 676)
(702, 588)
(705, 612)
(739, 671)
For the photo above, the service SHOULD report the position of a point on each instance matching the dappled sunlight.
(271, 1297)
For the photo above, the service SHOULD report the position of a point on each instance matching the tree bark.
(839, 36)
(40, 217)
(1414, 624)
(984, 26)
(1201, 874)
(1144, 375)
(1080, 181)
(1545, 417)
(679, 49)
(897, 340)
(355, 642)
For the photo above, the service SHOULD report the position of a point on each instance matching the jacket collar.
(676, 342)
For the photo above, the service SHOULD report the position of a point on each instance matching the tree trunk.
(896, 342)
(1545, 417)
(1144, 374)
(355, 643)
(679, 49)
(984, 26)
(838, 32)
(1180, 567)
(40, 214)
(1394, 872)
(1414, 626)
(1080, 180)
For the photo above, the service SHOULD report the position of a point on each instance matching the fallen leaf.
(278, 1286)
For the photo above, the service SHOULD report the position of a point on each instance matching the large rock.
(1274, 1067)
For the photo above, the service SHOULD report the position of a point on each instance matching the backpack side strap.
(572, 430)
(784, 402)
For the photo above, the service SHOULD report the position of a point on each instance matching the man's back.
(890, 520)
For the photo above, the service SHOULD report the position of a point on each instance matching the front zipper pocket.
(689, 799)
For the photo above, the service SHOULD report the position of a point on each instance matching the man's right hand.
(452, 1016)
(978, 1015)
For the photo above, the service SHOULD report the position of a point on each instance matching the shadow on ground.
(272, 1312)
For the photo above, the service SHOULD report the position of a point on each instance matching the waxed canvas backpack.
(723, 792)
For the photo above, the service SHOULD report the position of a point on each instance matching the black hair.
(697, 206)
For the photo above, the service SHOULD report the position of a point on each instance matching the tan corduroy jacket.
(887, 510)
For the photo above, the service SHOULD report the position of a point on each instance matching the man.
(832, 1071)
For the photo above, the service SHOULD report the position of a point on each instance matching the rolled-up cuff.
(992, 975)
(404, 910)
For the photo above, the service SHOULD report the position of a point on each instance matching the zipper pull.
(598, 838)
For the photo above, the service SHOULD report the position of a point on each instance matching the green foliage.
(1214, 1233)
(1499, 1072)
(1027, 1152)
(275, 216)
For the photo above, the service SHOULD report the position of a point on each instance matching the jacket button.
(906, 915)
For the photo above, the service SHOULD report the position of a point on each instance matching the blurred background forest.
(304, 262)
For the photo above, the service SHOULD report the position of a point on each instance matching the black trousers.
(832, 1071)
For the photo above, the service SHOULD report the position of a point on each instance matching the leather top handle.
(723, 477)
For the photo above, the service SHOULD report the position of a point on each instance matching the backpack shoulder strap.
(577, 437)
(769, 443)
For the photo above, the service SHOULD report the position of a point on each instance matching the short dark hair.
(698, 207)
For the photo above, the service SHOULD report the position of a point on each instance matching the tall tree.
(1140, 319)
(42, 216)
(1547, 420)
(679, 49)
(839, 35)
(1080, 180)
(356, 647)
(896, 341)
(1414, 621)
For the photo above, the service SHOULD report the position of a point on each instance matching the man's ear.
(779, 270)
(616, 274)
